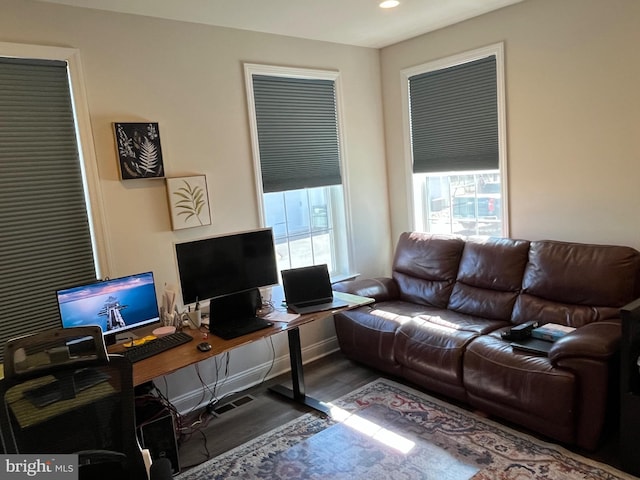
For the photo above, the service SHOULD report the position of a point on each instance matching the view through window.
(460, 203)
(307, 226)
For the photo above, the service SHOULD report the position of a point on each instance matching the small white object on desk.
(162, 331)
(194, 319)
(278, 316)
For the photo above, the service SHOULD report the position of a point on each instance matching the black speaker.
(159, 437)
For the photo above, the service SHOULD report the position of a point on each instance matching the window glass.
(306, 229)
(465, 204)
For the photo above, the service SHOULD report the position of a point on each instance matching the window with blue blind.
(295, 131)
(46, 240)
(456, 136)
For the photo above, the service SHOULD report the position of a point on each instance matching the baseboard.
(248, 378)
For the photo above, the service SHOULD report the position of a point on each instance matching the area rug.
(386, 430)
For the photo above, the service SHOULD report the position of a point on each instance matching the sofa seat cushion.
(432, 349)
(520, 387)
(463, 322)
(404, 311)
(367, 334)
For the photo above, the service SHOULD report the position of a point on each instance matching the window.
(295, 131)
(455, 111)
(47, 240)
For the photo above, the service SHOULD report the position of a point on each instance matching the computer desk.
(185, 355)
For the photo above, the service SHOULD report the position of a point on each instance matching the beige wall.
(573, 115)
(189, 78)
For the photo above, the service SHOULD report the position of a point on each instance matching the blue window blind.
(454, 118)
(297, 132)
(45, 242)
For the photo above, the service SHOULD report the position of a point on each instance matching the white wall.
(573, 115)
(189, 78)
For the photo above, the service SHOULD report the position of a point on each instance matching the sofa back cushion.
(489, 277)
(575, 284)
(425, 267)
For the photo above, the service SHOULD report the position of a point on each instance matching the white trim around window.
(251, 69)
(496, 50)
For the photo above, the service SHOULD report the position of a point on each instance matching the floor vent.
(231, 405)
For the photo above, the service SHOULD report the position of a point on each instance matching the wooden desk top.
(184, 355)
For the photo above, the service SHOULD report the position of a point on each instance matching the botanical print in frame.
(188, 201)
(139, 152)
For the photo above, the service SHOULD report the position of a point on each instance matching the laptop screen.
(306, 284)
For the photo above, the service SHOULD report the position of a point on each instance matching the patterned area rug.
(386, 430)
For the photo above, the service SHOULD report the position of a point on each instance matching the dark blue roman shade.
(297, 132)
(45, 240)
(454, 118)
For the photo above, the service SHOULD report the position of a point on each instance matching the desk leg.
(297, 393)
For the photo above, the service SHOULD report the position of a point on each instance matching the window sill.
(344, 277)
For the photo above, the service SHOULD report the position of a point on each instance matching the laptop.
(308, 290)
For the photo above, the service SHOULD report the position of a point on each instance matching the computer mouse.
(204, 347)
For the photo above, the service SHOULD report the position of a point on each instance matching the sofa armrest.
(597, 341)
(380, 289)
(590, 353)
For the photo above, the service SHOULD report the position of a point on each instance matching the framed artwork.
(139, 150)
(188, 201)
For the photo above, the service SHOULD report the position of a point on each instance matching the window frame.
(496, 50)
(251, 69)
(84, 136)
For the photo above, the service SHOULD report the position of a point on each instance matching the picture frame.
(188, 201)
(139, 151)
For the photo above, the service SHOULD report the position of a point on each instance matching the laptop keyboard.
(318, 307)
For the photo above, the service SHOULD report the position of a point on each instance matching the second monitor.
(228, 270)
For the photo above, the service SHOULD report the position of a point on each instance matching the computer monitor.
(227, 264)
(228, 270)
(116, 305)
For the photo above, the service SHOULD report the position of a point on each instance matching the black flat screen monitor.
(228, 264)
(116, 305)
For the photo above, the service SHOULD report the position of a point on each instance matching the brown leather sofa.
(437, 322)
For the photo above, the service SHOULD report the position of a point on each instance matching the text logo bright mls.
(58, 467)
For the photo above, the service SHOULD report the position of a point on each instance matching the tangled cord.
(186, 426)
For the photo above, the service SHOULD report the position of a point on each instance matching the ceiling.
(352, 22)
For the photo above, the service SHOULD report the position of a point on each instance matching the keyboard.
(154, 347)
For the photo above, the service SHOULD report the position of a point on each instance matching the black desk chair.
(62, 394)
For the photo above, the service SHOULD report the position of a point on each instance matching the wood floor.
(325, 379)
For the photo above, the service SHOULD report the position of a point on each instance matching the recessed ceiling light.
(389, 3)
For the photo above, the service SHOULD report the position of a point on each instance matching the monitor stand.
(234, 315)
(122, 337)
